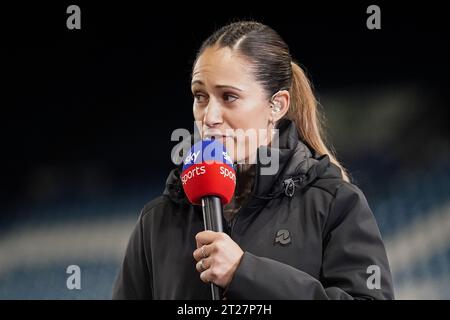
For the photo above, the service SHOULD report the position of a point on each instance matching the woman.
(304, 232)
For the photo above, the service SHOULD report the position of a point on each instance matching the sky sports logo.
(207, 151)
(192, 173)
(193, 156)
(199, 170)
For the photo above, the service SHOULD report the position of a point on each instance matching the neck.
(245, 174)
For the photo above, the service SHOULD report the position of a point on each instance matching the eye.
(199, 97)
(228, 97)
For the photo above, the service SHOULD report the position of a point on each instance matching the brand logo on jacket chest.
(283, 237)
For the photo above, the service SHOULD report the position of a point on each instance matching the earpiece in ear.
(276, 107)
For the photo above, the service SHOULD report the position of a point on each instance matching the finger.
(198, 266)
(203, 265)
(205, 276)
(206, 237)
(203, 253)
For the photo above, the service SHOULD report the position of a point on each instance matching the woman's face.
(227, 97)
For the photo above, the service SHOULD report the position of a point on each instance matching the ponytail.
(303, 110)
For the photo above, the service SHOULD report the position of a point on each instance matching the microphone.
(209, 180)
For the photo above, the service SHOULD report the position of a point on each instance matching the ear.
(280, 104)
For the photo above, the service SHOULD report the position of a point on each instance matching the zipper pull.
(289, 187)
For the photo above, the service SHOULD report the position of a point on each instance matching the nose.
(213, 115)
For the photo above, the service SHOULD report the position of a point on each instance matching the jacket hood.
(299, 166)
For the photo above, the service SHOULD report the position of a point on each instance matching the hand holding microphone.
(209, 179)
(217, 257)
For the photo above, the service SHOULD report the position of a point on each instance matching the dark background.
(87, 114)
(100, 103)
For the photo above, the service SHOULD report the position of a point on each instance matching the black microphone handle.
(212, 217)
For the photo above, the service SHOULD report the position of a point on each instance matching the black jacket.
(305, 233)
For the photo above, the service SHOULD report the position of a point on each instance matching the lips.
(221, 139)
(215, 135)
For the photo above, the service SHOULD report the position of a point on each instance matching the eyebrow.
(217, 86)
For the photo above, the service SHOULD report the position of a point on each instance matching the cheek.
(254, 133)
(256, 118)
(197, 113)
(198, 118)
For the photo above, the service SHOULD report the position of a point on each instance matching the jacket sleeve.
(134, 279)
(352, 255)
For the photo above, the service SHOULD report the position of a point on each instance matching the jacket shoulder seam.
(340, 188)
(330, 187)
